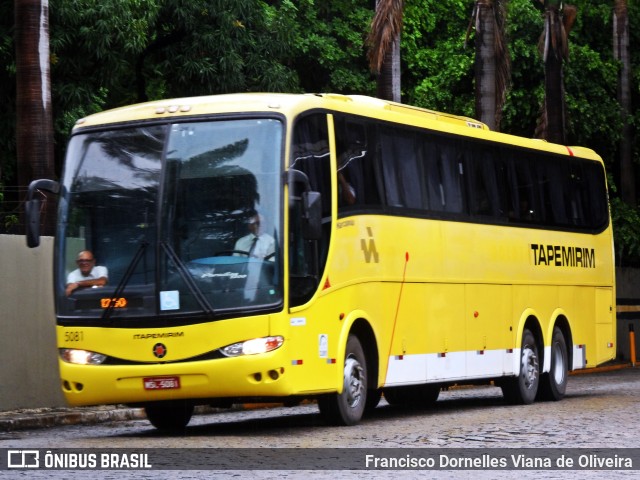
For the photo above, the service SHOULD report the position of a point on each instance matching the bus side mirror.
(32, 209)
(312, 215)
(32, 217)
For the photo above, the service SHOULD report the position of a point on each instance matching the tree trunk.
(388, 87)
(554, 100)
(34, 137)
(485, 65)
(555, 41)
(384, 48)
(621, 53)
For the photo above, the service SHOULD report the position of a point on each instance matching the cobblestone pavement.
(600, 410)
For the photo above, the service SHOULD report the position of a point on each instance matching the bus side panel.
(605, 348)
(428, 334)
(488, 322)
(590, 314)
(318, 333)
(313, 347)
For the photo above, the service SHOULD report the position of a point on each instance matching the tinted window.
(358, 171)
(416, 172)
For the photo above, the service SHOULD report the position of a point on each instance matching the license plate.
(161, 383)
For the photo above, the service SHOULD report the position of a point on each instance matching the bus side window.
(453, 169)
(577, 192)
(356, 170)
(551, 182)
(432, 175)
(524, 207)
(482, 184)
(596, 195)
(403, 170)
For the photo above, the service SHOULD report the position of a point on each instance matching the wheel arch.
(357, 324)
(363, 330)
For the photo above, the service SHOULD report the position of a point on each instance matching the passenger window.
(358, 187)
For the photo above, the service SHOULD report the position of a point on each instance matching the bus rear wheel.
(553, 385)
(169, 416)
(522, 390)
(347, 408)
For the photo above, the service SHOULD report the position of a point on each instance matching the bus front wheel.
(169, 416)
(522, 390)
(553, 385)
(347, 408)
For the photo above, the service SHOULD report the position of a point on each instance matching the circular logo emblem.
(159, 350)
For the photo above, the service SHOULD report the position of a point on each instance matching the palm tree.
(492, 62)
(384, 47)
(621, 53)
(554, 46)
(34, 138)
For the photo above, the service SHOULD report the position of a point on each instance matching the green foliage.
(330, 50)
(593, 114)
(438, 70)
(626, 229)
(7, 94)
(522, 109)
(108, 53)
(143, 49)
(8, 219)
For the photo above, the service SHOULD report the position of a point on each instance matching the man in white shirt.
(88, 274)
(256, 244)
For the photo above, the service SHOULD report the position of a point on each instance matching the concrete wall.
(28, 356)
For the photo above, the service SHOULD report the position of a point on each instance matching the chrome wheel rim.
(530, 369)
(353, 382)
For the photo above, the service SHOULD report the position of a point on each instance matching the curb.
(30, 419)
(604, 368)
(36, 418)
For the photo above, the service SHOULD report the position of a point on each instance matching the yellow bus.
(279, 247)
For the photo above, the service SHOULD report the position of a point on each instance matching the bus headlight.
(81, 357)
(253, 347)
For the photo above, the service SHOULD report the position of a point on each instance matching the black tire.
(553, 385)
(347, 408)
(169, 416)
(522, 390)
(373, 399)
(413, 396)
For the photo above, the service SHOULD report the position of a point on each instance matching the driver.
(87, 275)
(256, 244)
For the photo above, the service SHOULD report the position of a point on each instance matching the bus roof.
(293, 104)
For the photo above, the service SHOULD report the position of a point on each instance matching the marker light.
(81, 357)
(253, 347)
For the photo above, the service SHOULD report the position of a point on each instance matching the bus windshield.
(185, 218)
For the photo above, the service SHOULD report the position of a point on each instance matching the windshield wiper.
(188, 279)
(125, 279)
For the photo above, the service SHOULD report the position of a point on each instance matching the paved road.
(601, 410)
